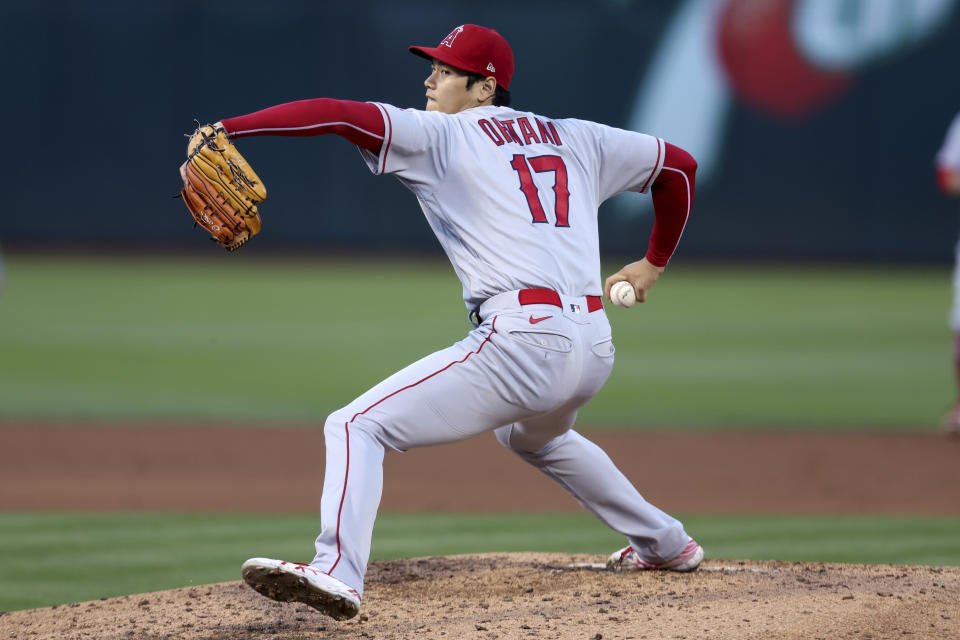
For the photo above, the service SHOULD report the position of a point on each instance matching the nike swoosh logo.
(536, 320)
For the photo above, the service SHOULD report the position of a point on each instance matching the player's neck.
(485, 103)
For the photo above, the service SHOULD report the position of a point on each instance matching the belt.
(541, 296)
(549, 296)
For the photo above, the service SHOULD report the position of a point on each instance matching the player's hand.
(640, 274)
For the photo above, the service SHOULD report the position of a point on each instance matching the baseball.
(623, 295)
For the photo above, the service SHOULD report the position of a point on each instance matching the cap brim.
(423, 52)
(443, 55)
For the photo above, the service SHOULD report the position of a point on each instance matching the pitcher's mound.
(520, 595)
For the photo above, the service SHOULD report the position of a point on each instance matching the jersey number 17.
(542, 164)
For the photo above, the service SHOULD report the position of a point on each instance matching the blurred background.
(810, 291)
(811, 284)
(815, 122)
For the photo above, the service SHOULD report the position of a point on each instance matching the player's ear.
(488, 88)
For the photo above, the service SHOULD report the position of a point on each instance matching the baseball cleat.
(626, 558)
(298, 582)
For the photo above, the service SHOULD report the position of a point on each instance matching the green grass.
(55, 558)
(244, 338)
(138, 339)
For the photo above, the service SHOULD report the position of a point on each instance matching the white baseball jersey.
(949, 155)
(513, 196)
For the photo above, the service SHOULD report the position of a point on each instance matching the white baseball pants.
(524, 372)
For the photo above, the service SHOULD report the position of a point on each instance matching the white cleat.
(298, 582)
(687, 560)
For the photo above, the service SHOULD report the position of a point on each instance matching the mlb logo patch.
(574, 308)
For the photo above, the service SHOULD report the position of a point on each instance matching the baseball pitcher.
(512, 197)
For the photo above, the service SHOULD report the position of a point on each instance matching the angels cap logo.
(491, 68)
(448, 41)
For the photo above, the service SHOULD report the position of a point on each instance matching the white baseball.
(623, 294)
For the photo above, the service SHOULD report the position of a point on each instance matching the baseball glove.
(220, 188)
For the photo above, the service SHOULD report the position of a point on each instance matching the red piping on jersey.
(656, 164)
(346, 427)
(386, 148)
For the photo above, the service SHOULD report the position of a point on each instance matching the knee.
(335, 422)
(340, 423)
(503, 435)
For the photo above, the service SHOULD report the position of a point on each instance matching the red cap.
(475, 49)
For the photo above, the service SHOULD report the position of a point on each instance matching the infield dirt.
(522, 596)
(208, 468)
(509, 596)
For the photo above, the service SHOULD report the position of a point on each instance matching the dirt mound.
(522, 596)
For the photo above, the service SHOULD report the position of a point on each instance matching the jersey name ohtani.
(520, 131)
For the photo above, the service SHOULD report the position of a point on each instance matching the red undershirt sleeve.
(672, 193)
(359, 122)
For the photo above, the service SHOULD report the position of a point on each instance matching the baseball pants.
(523, 373)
